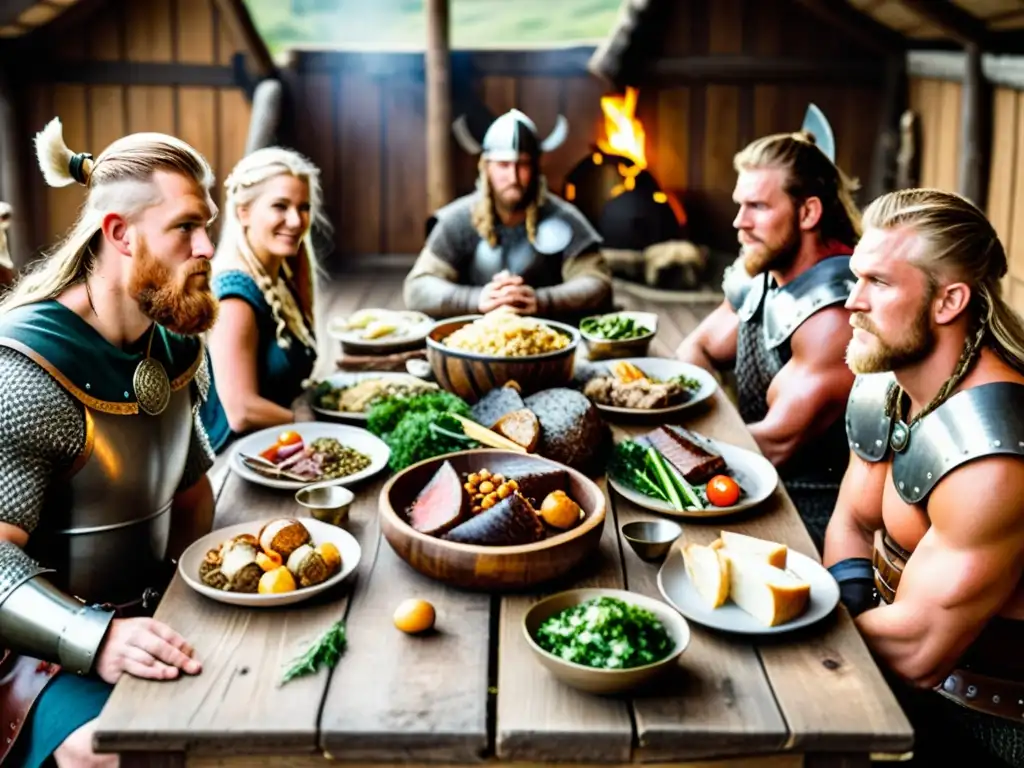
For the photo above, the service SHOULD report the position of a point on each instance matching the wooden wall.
(937, 103)
(362, 116)
(96, 107)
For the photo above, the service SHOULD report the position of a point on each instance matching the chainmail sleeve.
(42, 430)
(200, 454)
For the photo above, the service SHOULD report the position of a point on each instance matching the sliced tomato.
(723, 491)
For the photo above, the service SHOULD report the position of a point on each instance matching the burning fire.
(625, 133)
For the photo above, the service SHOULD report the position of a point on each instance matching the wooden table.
(472, 692)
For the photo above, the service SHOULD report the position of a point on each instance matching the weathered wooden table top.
(472, 691)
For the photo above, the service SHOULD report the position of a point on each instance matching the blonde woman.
(263, 346)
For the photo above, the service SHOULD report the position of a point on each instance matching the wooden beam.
(440, 182)
(767, 69)
(976, 104)
(130, 73)
(950, 65)
(952, 20)
(849, 21)
(234, 14)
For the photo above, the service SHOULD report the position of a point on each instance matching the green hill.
(400, 24)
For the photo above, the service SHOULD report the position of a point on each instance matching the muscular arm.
(858, 512)
(962, 572)
(234, 341)
(811, 390)
(712, 344)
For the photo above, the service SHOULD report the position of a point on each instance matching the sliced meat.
(441, 504)
(696, 464)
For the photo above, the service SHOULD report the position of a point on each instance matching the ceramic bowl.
(604, 681)
(471, 375)
(599, 348)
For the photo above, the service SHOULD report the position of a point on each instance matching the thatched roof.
(996, 26)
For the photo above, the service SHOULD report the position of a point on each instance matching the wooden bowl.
(479, 567)
(604, 681)
(471, 375)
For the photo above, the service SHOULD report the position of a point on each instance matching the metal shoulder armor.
(786, 308)
(986, 420)
(867, 423)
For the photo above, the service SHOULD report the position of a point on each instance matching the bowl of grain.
(473, 354)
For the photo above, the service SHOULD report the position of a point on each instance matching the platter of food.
(269, 563)
(380, 330)
(309, 452)
(492, 518)
(652, 386)
(678, 472)
(747, 585)
(351, 395)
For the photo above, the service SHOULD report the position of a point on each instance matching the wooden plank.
(405, 167)
(149, 27)
(195, 32)
(767, 109)
(1016, 246)
(721, 704)
(107, 119)
(949, 129)
(69, 103)
(538, 717)
(233, 115)
(104, 41)
(37, 101)
(150, 108)
(360, 162)
(197, 116)
(1002, 176)
(721, 142)
(830, 663)
(673, 151)
(289, 761)
(317, 140)
(541, 99)
(499, 94)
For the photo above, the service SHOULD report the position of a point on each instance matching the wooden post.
(894, 90)
(971, 176)
(440, 186)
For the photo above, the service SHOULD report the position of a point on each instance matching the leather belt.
(995, 696)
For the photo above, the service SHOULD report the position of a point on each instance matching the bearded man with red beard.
(103, 458)
(782, 327)
(927, 539)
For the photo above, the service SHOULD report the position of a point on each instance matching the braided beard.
(182, 302)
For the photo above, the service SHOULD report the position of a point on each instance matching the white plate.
(413, 329)
(662, 368)
(676, 587)
(353, 437)
(756, 476)
(192, 558)
(345, 379)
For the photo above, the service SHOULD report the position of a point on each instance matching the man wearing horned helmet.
(103, 458)
(510, 243)
(782, 327)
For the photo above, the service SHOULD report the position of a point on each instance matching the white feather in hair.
(53, 155)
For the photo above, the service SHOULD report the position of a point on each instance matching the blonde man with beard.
(933, 493)
(783, 327)
(510, 243)
(102, 457)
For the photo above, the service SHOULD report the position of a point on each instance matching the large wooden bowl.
(471, 375)
(478, 567)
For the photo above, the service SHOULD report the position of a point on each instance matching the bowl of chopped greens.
(605, 641)
(618, 334)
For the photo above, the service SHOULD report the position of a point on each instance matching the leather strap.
(990, 695)
(22, 680)
(889, 560)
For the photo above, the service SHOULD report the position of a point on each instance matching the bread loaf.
(770, 552)
(769, 594)
(708, 569)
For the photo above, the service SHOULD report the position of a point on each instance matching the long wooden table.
(472, 692)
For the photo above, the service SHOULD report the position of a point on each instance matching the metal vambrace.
(38, 620)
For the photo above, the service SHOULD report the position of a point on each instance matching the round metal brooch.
(900, 436)
(152, 387)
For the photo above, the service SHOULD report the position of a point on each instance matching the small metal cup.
(326, 502)
(651, 539)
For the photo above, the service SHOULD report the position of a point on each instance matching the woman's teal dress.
(280, 372)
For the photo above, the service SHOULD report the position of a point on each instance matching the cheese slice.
(769, 594)
(770, 552)
(708, 569)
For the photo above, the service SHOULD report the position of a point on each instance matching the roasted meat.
(695, 463)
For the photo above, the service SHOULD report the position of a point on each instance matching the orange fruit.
(414, 616)
(276, 581)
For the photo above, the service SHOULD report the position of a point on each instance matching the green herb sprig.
(325, 652)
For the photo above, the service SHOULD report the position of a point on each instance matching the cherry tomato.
(289, 438)
(722, 491)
